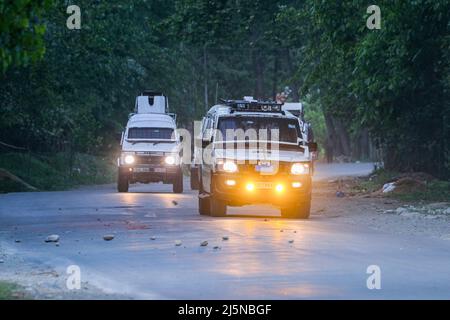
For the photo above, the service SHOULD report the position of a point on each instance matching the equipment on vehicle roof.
(151, 102)
(253, 105)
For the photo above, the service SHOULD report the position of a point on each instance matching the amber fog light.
(279, 188)
(230, 183)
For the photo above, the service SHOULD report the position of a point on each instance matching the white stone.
(52, 238)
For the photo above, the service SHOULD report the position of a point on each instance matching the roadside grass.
(411, 186)
(10, 291)
(55, 171)
(435, 191)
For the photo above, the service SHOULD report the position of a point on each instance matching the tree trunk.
(205, 71)
(258, 67)
(275, 75)
(343, 137)
(338, 136)
(292, 70)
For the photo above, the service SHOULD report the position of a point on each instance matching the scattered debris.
(388, 187)
(281, 230)
(204, 244)
(2, 261)
(429, 211)
(17, 241)
(216, 248)
(178, 243)
(225, 238)
(410, 214)
(291, 241)
(340, 194)
(174, 202)
(152, 238)
(108, 237)
(52, 238)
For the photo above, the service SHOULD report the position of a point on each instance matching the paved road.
(327, 259)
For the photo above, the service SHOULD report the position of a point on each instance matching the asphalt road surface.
(265, 257)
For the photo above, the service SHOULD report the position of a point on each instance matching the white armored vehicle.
(151, 146)
(255, 152)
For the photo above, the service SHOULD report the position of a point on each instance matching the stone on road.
(52, 238)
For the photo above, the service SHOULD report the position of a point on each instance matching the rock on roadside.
(108, 237)
(52, 238)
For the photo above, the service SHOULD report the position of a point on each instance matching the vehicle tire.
(122, 183)
(177, 185)
(218, 207)
(204, 207)
(299, 211)
(194, 179)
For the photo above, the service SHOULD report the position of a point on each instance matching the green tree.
(21, 31)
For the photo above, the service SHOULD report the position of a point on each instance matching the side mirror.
(312, 146)
(181, 138)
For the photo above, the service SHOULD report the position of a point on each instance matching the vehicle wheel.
(122, 183)
(194, 179)
(177, 186)
(218, 207)
(204, 206)
(300, 211)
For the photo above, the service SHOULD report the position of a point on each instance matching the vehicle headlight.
(300, 168)
(129, 159)
(170, 160)
(228, 166)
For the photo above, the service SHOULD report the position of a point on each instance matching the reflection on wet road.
(264, 256)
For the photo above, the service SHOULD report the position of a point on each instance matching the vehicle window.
(288, 129)
(151, 133)
(207, 128)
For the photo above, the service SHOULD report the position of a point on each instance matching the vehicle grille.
(149, 160)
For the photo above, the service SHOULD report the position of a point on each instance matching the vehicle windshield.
(151, 133)
(257, 128)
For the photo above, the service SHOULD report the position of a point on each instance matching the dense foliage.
(391, 85)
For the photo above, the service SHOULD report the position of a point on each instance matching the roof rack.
(253, 105)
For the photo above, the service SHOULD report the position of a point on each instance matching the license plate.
(264, 169)
(160, 170)
(264, 185)
(141, 170)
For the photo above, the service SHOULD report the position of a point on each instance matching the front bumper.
(264, 191)
(150, 173)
